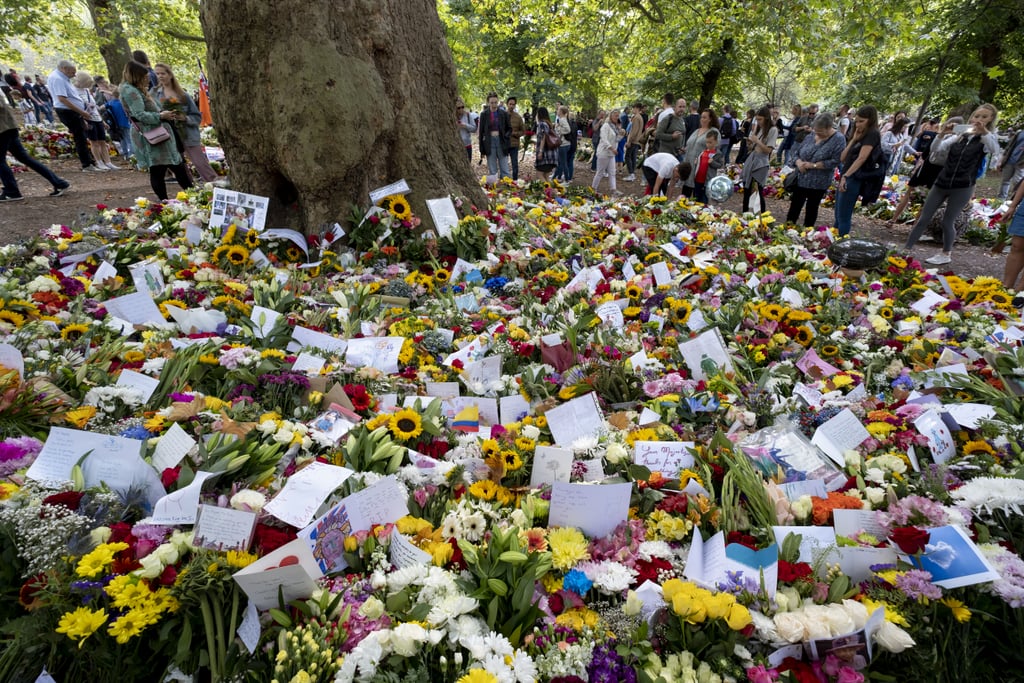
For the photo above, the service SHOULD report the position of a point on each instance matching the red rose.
(793, 571)
(170, 475)
(742, 539)
(268, 538)
(909, 539)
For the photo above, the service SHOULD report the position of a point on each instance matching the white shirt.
(59, 86)
(663, 163)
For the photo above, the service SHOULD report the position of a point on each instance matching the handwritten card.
(442, 389)
(928, 301)
(303, 338)
(970, 415)
(224, 529)
(290, 569)
(147, 277)
(550, 464)
(444, 215)
(513, 408)
(145, 384)
(181, 506)
(309, 363)
(611, 314)
(662, 276)
(595, 509)
(848, 523)
(137, 308)
(707, 346)
(400, 187)
(842, 433)
(249, 631)
(123, 469)
(483, 371)
(578, 418)
(808, 487)
(403, 553)
(172, 447)
(65, 447)
(667, 457)
(382, 503)
(375, 352)
(305, 492)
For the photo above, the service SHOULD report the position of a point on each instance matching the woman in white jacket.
(610, 134)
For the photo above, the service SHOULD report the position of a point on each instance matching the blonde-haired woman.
(961, 157)
(94, 130)
(169, 93)
(146, 115)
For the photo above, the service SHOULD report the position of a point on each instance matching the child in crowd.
(709, 161)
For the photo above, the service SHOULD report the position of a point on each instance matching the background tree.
(320, 102)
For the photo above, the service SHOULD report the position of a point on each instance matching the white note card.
(595, 509)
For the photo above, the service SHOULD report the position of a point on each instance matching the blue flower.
(577, 582)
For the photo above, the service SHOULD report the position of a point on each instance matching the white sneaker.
(93, 169)
(939, 259)
(113, 167)
(630, 177)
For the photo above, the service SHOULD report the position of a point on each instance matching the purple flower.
(917, 584)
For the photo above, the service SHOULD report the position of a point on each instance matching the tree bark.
(318, 102)
(710, 81)
(106, 19)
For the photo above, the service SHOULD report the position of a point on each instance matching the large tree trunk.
(106, 19)
(318, 102)
(716, 68)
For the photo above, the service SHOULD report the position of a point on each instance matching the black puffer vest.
(961, 167)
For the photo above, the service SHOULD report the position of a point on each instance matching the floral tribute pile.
(572, 440)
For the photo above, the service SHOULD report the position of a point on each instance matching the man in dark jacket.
(495, 133)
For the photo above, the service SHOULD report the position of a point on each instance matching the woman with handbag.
(548, 142)
(151, 136)
(170, 94)
(961, 157)
(862, 161)
(816, 160)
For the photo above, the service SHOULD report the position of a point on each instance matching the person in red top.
(709, 161)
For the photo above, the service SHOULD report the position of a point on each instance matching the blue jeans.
(845, 203)
(562, 170)
(497, 161)
(10, 142)
(513, 156)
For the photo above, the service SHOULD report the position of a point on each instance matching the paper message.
(579, 418)
(382, 503)
(444, 215)
(145, 384)
(848, 523)
(940, 440)
(265, 319)
(513, 408)
(842, 433)
(309, 363)
(147, 277)
(245, 210)
(667, 457)
(65, 447)
(291, 568)
(305, 492)
(137, 308)
(662, 276)
(611, 314)
(596, 509)
(707, 346)
(181, 506)
(403, 553)
(224, 529)
(375, 352)
(174, 445)
(550, 464)
(816, 542)
(400, 187)
(249, 631)
(303, 337)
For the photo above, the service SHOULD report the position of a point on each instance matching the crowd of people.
(681, 147)
(97, 114)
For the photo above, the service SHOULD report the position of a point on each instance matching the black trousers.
(801, 196)
(76, 124)
(157, 180)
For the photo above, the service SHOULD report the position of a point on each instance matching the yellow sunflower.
(16, 319)
(164, 305)
(397, 205)
(829, 350)
(804, 335)
(237, 255)
(74, 331)
(406, 424)
(634, 291)
(252, 239)
(442, 275)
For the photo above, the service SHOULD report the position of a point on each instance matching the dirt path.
(23, 220)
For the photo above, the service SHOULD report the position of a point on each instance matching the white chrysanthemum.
(611, 577)
(649, 550)
(991, 493)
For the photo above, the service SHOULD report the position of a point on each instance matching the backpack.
(728, 128)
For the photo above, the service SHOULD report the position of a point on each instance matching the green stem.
(208, 626)
(233, 623)
(218, 616)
